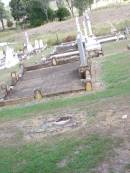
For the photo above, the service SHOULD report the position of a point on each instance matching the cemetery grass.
(115, 77)
(57, 155)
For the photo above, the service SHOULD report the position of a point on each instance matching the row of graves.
(9, 57)
(69, 69)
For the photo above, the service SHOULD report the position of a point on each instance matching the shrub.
(62, 13)
(9, 23)
(69, 38)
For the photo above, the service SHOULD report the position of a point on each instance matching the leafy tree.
(2, 14)
(82, 5)
(38, 12)
(51, 14)
(18, 9)
(62, 13)
(35, 15)
(43, 5)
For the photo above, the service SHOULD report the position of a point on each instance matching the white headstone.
(41, 45)
(36, 45)
(93, 44)
(28, 44)
(29, 48)
(1, 54)
(11, 58)
(2, 60)
(113, 29)
(88, 22)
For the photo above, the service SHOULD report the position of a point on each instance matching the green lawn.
(79, 154)
(115, 47)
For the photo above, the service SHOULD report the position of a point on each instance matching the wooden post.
(4, 90)
(88, 84)
(38, 94)
(54, 62)
(21, 71)
(14, 78)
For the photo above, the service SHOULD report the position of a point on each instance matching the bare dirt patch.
(41, 127)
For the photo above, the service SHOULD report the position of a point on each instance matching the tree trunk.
(2, 23)
(90, 4)
(70, 5)
(72, 11)
(46, 13)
